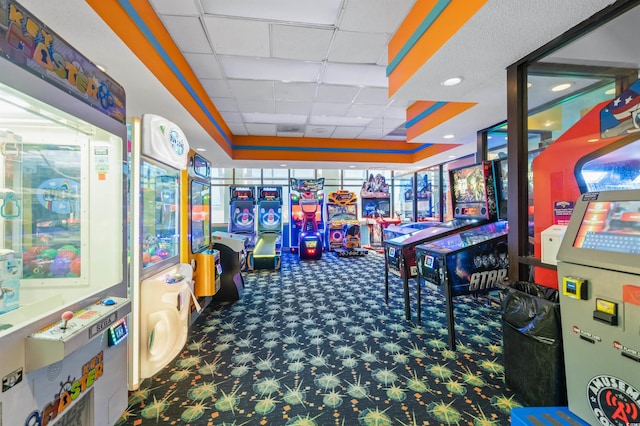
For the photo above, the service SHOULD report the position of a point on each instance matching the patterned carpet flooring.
(315, 344)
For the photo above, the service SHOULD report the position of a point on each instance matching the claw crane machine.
(64, 297)
(196, 249)
(161, 286)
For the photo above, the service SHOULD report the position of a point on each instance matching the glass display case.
(200, 216)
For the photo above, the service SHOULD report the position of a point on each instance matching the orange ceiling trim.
(121, 22)
(439, 116)
(433, 150)
(417, 108)
(409, 26)
(324, 156)
(450, 20)
(297, 143)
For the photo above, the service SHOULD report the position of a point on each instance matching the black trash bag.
(532, 344)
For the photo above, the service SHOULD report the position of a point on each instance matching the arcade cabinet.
(64, 300)
(266, 254)
(343, 229)
(376, 209)
(162, 287)
(196, 249)
(599, 285)
(474, 203)
(242, 213)
(306, 219)
(233, 257)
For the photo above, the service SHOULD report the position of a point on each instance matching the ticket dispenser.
(599, 282)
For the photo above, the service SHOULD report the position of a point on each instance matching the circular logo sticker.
(613, 401)
(176, 141)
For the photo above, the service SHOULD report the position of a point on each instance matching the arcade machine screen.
(468, 186)
(337, 212)
(160, 213)
(612, 226)
(200, 216)
(270, 219)
(242, 212)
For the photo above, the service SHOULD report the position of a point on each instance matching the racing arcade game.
(474, 203)
(266, 254)
(343, 230)
(306, 221)
(599, 283)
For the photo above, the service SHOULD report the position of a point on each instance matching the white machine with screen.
(599, 282)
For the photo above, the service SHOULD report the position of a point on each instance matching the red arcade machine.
(376, 208)
(306, 222)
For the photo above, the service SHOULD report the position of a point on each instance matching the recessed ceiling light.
(561, 87)
(448, 136)
(352, 167)
(283, 165)
(452, 81)
(200, 149)
(611, 91)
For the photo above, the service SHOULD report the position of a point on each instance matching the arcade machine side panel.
(61, 163)
(599, 285)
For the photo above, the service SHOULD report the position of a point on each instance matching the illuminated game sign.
(613, 401)
(28, 43)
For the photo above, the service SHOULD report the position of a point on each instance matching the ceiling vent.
(290, 128)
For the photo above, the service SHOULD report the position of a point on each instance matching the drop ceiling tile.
(204, 65)
(225, 104)
(293, 107)
(172, 7)
(373, 95)
(329, 93)
(371, 133)
(269, 69)
(255, 105)
(300, 43)
(319, 131)
(295, 91)
(360, 110)
(382, 16)
(251, 89)
(261, 129)
(347, 132)
(231, 117)
(238, 37)
(188, 34)
(395, 112)
(355, 75)
(387, 124)
(238, 129)
(331, 109)
(338, 121)
(216, 88)
(323, 12)
(274, 118)
(359, 48)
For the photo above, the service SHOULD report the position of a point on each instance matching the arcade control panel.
(57, 340)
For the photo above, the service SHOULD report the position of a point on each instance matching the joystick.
(66, 316)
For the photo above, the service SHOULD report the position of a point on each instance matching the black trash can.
(532, 344)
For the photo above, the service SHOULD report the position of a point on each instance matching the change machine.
(63, 285)
(161, 287)
(196, 249)
(599, 283)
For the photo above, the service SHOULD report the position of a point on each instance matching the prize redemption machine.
(242, 214)
(376, 209)
(343, 230)
(599, 285)
(266, 254)
(161, 286)
(63, 287)
(306, 223)
(474, 203)
(196, 249)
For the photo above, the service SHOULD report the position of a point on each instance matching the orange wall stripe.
(438, 117)
(409, 26)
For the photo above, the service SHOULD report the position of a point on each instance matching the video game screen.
(468, 184)
(610, 226)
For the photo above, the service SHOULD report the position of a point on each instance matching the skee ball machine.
(196, 249)
(599, 283)
(161, 286)
(63, 286)
(267, 252)
(242, 218)
(306, 217)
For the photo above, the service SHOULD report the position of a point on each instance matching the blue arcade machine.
(242, 212)
(306, 223)
(266, 253)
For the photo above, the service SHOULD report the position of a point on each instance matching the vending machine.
(196, 248)
(599, 283)
(161, 286)
(64, 301)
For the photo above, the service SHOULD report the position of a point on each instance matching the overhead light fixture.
(283, 165)
(561, 87)
(352, 167)
(452, 81)
(448, 136)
